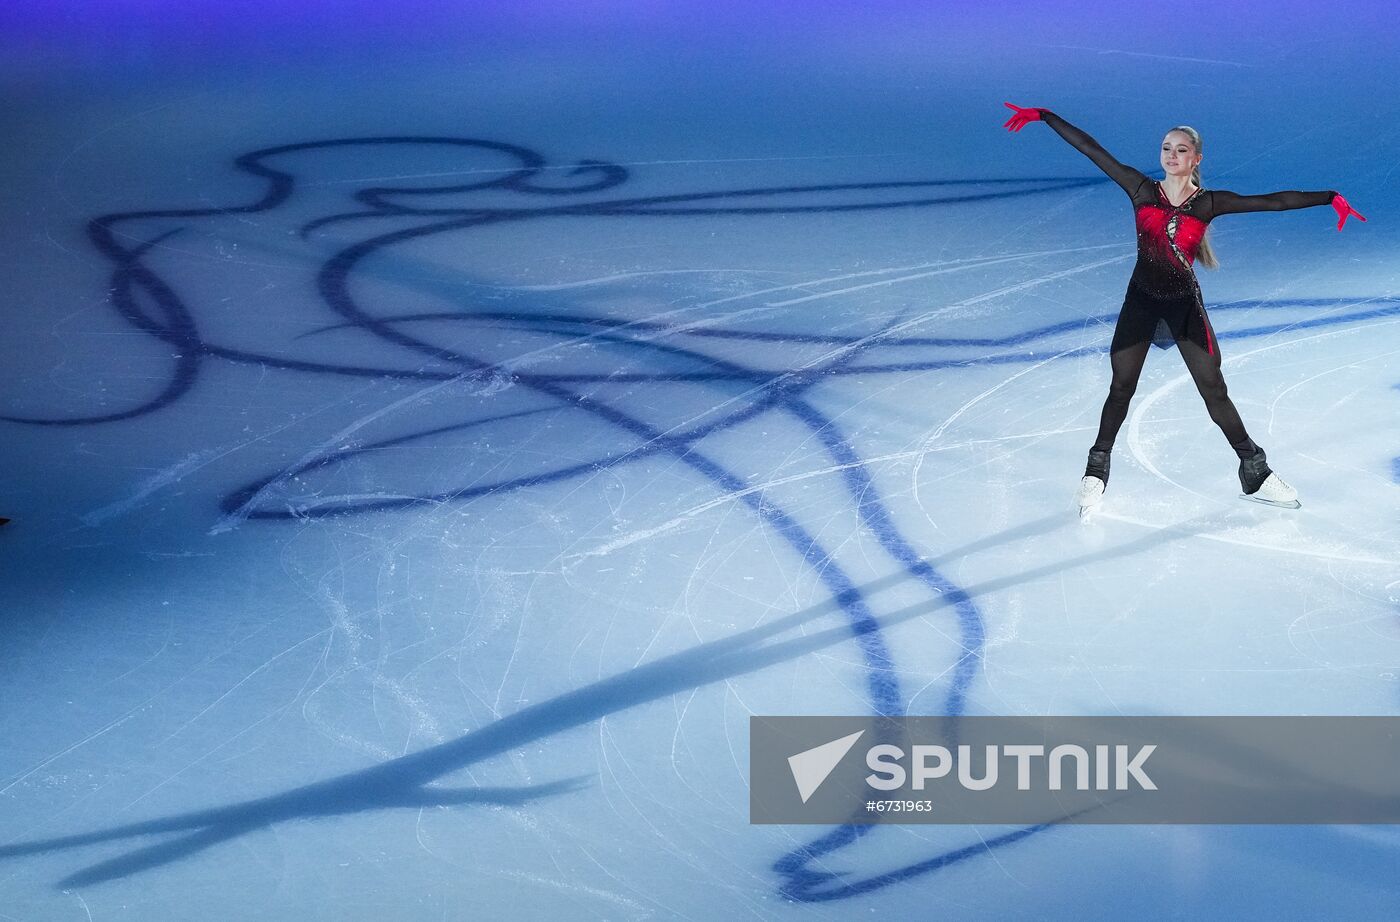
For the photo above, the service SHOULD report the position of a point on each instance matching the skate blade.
(1291, 504)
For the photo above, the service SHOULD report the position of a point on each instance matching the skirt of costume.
(1164, 321)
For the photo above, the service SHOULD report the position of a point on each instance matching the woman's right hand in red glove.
(1021, 117)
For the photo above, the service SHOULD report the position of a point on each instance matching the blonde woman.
(1163, 303)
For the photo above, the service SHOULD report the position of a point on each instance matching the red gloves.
(1344, 210)
(1022, 116)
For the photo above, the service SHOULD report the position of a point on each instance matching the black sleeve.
(1127, 178)
(1229, 203)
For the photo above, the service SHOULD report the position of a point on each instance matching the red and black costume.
(1163, 302)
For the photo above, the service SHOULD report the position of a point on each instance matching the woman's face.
(1179, 155)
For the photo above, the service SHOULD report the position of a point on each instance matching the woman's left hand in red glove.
(1344, 210)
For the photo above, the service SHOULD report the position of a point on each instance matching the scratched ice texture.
(431, 435)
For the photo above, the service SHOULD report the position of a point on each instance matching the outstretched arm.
(1229, 203)
(1125, 176)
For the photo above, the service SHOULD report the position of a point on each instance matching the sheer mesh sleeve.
(1230, 203)
(1128, 179)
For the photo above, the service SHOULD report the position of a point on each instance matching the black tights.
(1205, 371)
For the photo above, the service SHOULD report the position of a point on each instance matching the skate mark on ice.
(409, 781)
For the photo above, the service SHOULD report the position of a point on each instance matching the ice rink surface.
(431, 435)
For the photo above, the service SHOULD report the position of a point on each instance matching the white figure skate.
(1259, 484)
(1274, 492)
(1090, 495)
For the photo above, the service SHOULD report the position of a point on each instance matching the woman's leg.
(1127, 362)
(1204, 366)
(1257, 479)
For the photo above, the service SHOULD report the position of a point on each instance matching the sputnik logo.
(811, 767)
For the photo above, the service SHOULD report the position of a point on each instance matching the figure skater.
(1163, 304)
